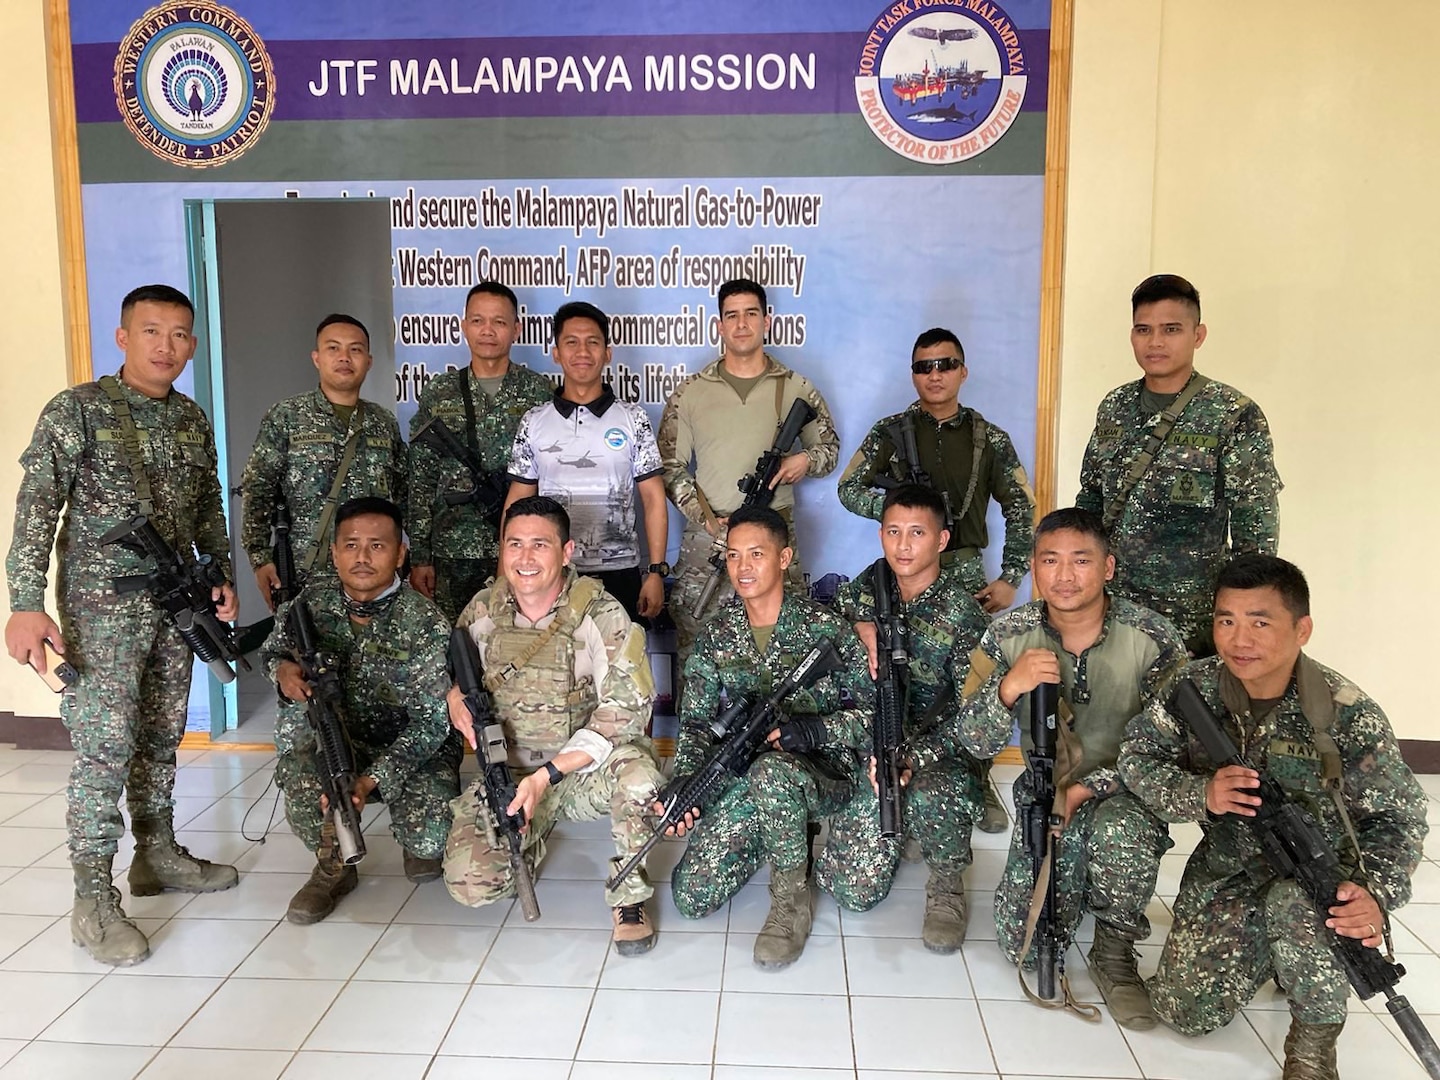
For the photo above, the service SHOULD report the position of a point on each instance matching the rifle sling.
(1032, 921)
(467, 399)
(332, 501)
(1158, 434)
(130, 443)
(977, 431)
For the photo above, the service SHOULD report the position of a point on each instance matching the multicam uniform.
(947, 452)
(393, 673)
(126, 711)
(762, 816)
(1109, 854)
(296, 456)
(1211, 492)
(457, 540)
(577, 679)
(942, 799)
(1236, 924)
(707, 421)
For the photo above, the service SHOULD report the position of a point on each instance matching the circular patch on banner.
(615, 439)
(941, 81)
(193, 83)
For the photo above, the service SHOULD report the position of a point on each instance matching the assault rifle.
(902, 435)
(487, 489)
(181, 587)
(1294, 845)
(740, 732)
(892, 658)
(758, 490)
(497, 786)
(1043, 704)
(325, 709)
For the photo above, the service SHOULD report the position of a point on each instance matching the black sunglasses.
(944, 363)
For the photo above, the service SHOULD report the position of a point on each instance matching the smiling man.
(316, 451)
(1180, 467)
(1330, 748)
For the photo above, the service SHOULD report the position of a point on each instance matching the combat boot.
(1310, 1051)
(1112, 962)
(160, 863)
(329, 881)
(782, 938)
(421, 870)
(99, 923)
(995, 820)
(947, 913)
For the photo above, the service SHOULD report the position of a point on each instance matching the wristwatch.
(555, 774)
(661, 568)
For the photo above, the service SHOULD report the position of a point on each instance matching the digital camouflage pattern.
(1212, 492)
(1109, 855)
(296, 456)
(946, 451)
(762, 817)
(126, 710)
(1235, 923)
(457, 540)
(586, 687)
(709, 439)
(942, 800)
(394, 676)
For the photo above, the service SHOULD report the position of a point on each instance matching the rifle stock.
(892, 667)
(497, 786)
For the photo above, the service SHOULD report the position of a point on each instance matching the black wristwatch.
(555, 774)
(661, 568)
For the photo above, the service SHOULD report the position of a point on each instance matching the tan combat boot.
(947, 913)
(782, 938)
(1310, 1051)
(97, 921)
(160, 863)
(329, 881)
(634, 932)
(1112, 962)
(994, 820)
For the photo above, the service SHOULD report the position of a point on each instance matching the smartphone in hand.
(58, 673)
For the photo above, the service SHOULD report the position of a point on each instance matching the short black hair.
(540, 506)
(767, 518)
(1267, 572)
(1077, 519)
(937, 335)
(1159, 287)
(370, 504)
(915, 497)
(579, 309)
(494, 288)
(344, 320)
(155, 294)
(741, 286)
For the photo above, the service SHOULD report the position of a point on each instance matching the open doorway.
(264, 272)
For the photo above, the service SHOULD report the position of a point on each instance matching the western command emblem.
(194, 83)
(941, 81)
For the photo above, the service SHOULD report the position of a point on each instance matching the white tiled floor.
(403, 983)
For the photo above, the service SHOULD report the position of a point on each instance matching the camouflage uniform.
(588, 688)
(1212, 492)
(1235, 923)
(1109, 854)
(706, 421)
(946, 451)
(457, 540)
(942, 799)
(296, 456)
(762, 817)
(126, 711)
(393, 673)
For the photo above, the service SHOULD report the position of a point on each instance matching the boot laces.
(107, 908)
(631, 914)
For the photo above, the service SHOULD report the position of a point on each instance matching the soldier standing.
(1330, 747)
(571, 684)
(101, 453)
(722, 419)
(969, 461)
(1180, 467)
(453, 547)
(1110, 658)
(318, 450)
(814, 765)
(389, 643)
(943, 623)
